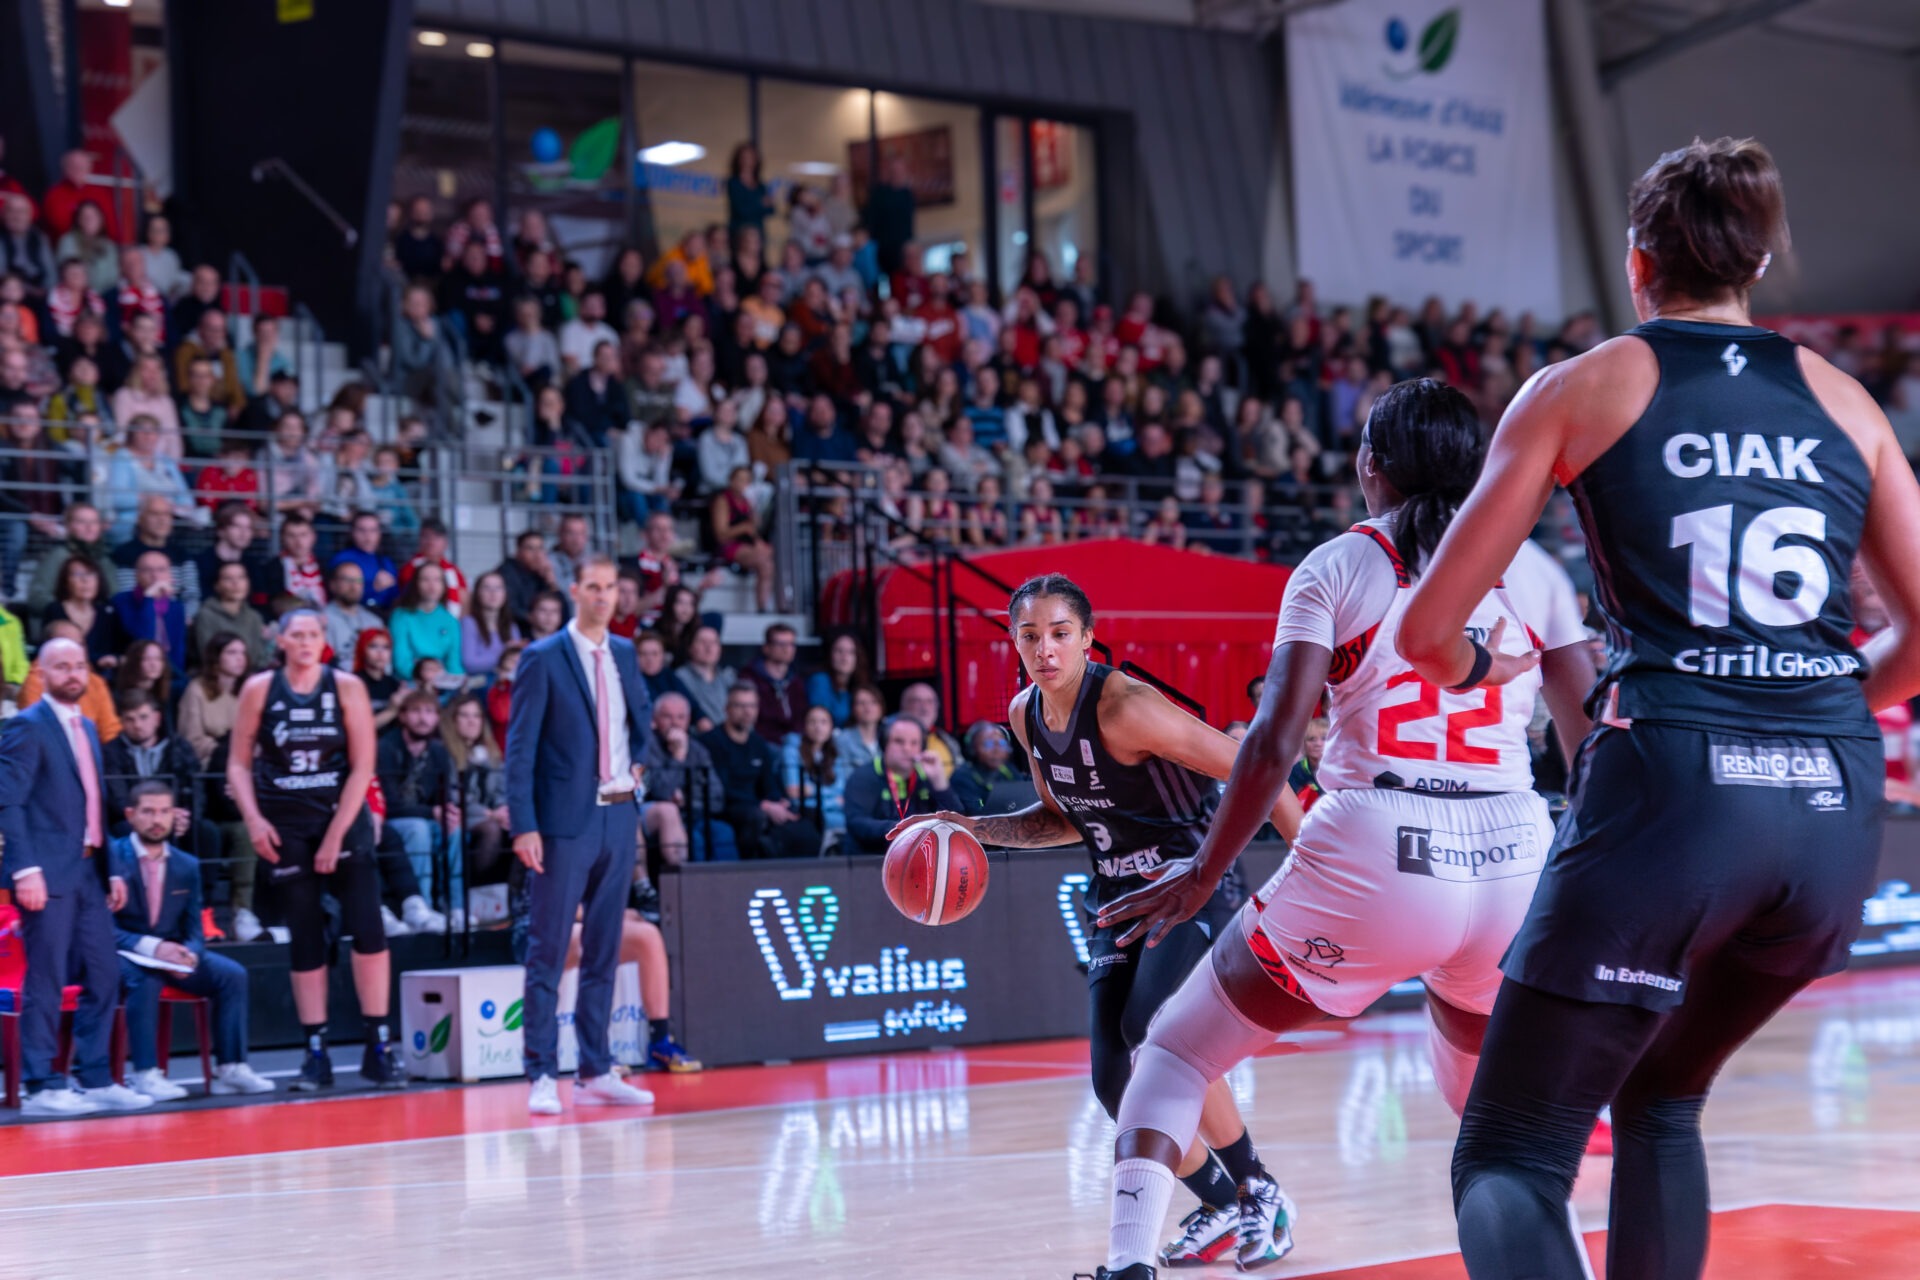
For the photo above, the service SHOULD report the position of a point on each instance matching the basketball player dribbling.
(1125, 772)
(1726, 809)
(1422, 852)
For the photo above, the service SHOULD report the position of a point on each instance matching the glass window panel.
(446, 130)
(809, 134)
(940, 142)
(687, 121)
(566, 148)
(1065, 194)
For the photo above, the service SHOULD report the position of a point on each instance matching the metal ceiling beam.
(1725, 23)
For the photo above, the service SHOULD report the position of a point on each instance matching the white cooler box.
(462, 1024)
(627, 1029)
(465, 1024)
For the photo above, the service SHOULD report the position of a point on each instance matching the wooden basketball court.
(987, 1162)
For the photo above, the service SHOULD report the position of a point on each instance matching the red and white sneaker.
(1206, 1235)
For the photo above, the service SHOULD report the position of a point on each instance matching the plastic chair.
(13, 973)
(202, 1012)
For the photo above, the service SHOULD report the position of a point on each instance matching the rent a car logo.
(794, 938)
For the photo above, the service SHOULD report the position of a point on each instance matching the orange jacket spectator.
(96, 703)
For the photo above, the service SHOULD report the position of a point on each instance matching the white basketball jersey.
(1390, 728)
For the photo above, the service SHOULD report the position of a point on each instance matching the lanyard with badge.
(902, 801)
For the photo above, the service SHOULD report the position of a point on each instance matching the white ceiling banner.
(1421, 152)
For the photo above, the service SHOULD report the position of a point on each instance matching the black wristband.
(1482, 663)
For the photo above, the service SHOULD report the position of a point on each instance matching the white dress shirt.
(620, 749)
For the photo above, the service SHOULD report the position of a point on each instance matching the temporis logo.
(1430, 54)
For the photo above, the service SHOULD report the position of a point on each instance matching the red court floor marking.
(1768, 1242)
(310, 1124)
(320, 1123)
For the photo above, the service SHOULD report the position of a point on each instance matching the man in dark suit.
(149, 611)
(53, 818)
(161, 921)
(576, 735)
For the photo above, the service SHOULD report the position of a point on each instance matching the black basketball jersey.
(1722, 527)
(300, 757)
(1132, 817)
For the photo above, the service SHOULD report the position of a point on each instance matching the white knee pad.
(1200, 1026)
(1452, 1068)
(1197, 1037)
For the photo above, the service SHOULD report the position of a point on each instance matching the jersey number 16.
(1712, 581)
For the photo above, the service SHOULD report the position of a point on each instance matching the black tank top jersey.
(1132, 817)
(1722, 527)
(300, 761)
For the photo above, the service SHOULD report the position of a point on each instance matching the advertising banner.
(1422, 158)
(784, 960)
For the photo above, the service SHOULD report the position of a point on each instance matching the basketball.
(936, 872)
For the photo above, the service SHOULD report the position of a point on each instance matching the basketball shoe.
(1138, 1271)
(1206, 1234)
(1266, 1224)
(379, 1068)
(316, 1073)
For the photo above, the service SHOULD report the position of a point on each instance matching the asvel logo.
(1431, 54)
(1733, 359)
(807, 928)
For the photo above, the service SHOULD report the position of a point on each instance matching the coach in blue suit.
(53, 818)
(161, 920)
(576, 733)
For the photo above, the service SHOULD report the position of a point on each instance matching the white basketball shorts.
(1383, 886)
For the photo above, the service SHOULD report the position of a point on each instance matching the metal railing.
(275, 167)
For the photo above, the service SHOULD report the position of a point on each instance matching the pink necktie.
(155, 870)
(601, 720)
(89, 782)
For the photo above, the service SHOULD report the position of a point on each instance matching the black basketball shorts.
(1683, 842)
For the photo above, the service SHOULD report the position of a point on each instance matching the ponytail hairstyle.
(1429, 444)
(1710, 215)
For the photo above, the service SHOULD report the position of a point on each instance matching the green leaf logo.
(441, 1033)
(818, 912)
(593, 151)
(1437, 41)
(514, 1011)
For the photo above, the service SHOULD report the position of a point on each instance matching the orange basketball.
(935, 872)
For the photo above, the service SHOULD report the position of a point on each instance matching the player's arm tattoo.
(1037, 826)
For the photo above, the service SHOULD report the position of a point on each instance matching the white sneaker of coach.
(246, 925)
(421, 917)
(154, 1084)
(59, 1100)
(544, 1098)
(117, 1097)
(610, 1091)
(238, 1077)
(393, 924)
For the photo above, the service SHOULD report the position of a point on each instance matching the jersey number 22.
(1425, 705)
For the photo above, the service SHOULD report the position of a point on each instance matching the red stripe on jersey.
(1400, 574)
(1347, 658)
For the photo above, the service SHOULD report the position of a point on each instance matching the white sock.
(1142, 1190)
(1452, 1069)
